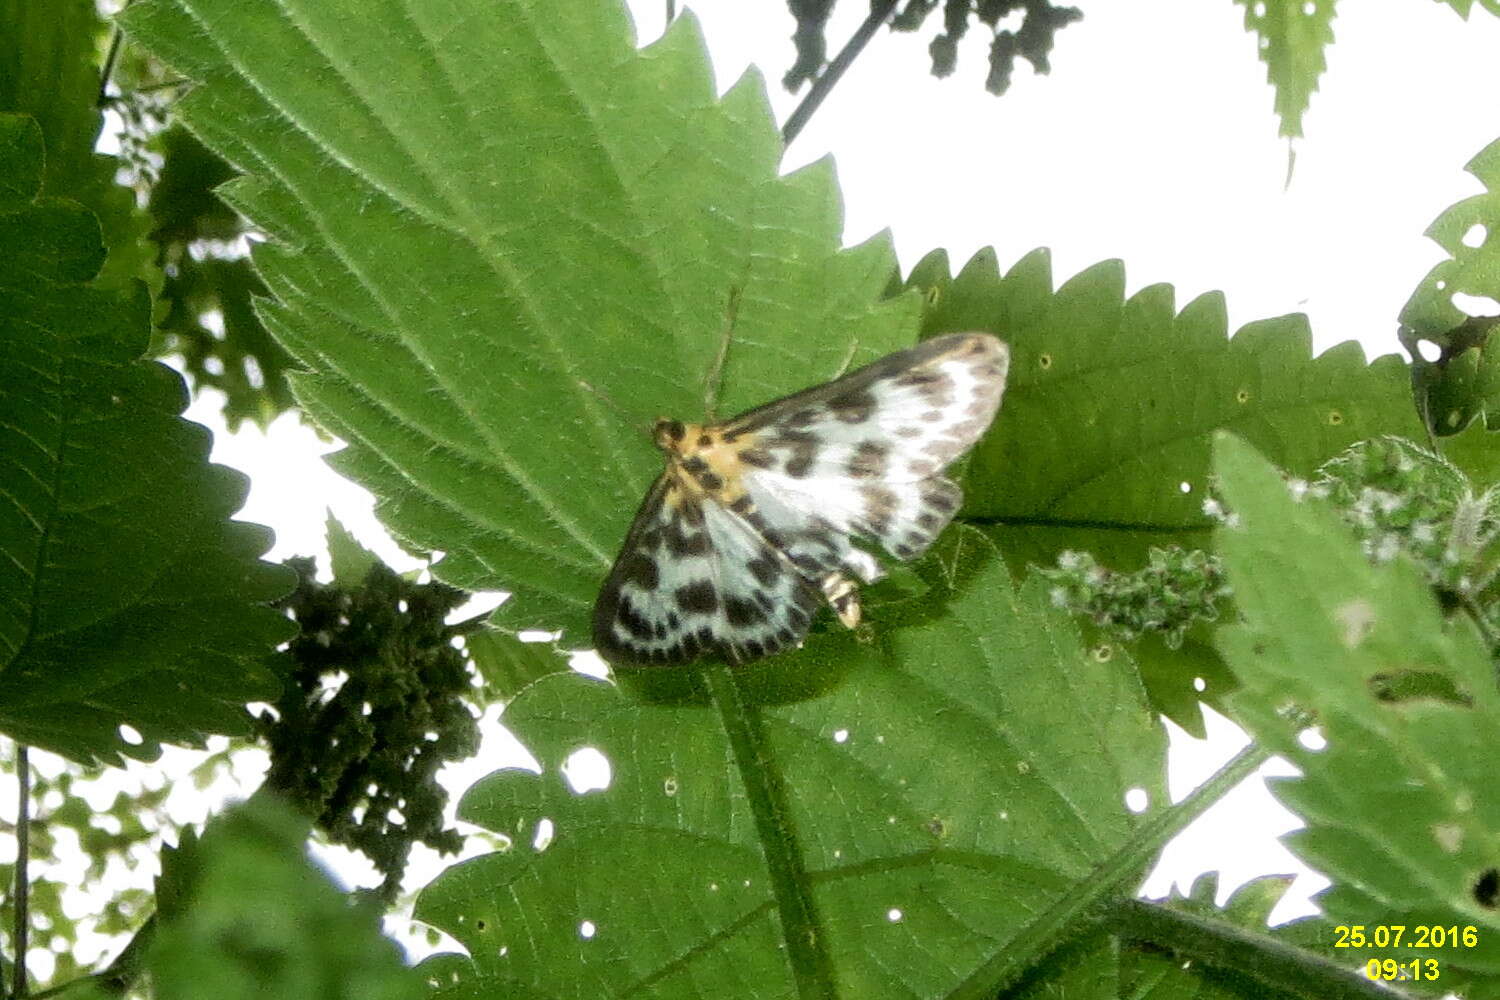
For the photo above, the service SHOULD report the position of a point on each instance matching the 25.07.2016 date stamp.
(1426, 936)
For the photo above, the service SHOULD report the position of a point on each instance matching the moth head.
(668, 434)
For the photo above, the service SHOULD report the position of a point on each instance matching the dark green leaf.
(507, 664)
(135, 600)
(49, 69)
(349, 560)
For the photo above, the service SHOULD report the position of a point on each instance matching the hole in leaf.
(1136, 800)
(587, 930)
(1312, 738)
(1475, 236)
(1476, 305)
(893, 915)
(586, 770)
(543, 836)
(1487, 889)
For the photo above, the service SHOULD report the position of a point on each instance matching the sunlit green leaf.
(473, 276)
(968, 772)
(261, 921)
(1467, 231)
(1395, 803)
(1292, 35)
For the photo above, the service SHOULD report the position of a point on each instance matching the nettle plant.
(456, 286)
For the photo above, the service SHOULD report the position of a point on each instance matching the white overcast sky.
(1153, 141)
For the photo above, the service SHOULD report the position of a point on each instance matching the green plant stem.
(1220, 945)
(1078, 912)
(115, 39)
(23, 853)
(766, 790)
(879, 13)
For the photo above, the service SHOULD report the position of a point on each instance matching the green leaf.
(1396, 805)
(1464, 382)
(507, 664)
(1476, 451)
(263, 922)
(135, 600)
(1112, 404)
(54, 77)
(1110, 411)
(467, 276)
(1464, 6)
(1292, 35)
(967, 773)
(1467, 231)
(349, 560)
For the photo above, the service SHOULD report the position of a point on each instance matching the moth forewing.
(752, 525)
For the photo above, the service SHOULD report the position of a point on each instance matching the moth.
(759, 521)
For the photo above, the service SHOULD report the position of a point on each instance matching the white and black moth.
(752, 526)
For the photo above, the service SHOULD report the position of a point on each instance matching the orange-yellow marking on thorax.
(703, 462)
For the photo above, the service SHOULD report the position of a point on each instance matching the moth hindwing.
(754, 522)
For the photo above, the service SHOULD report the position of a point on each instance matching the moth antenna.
(630, 418)
(713, 379)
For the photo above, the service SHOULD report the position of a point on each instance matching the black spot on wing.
(640, 569)
(691, 512)
(853, 406)
(799, 466)
(633, 621)
(766, 568)
(684, 543)
(741, 613)
(942, 496)
(698, 597)
(758, 457)
(881, 504)
(869, 460)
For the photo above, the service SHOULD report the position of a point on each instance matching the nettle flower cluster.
(1399, 498)
(1175, 589)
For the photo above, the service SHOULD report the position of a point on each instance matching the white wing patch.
(754, 522)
